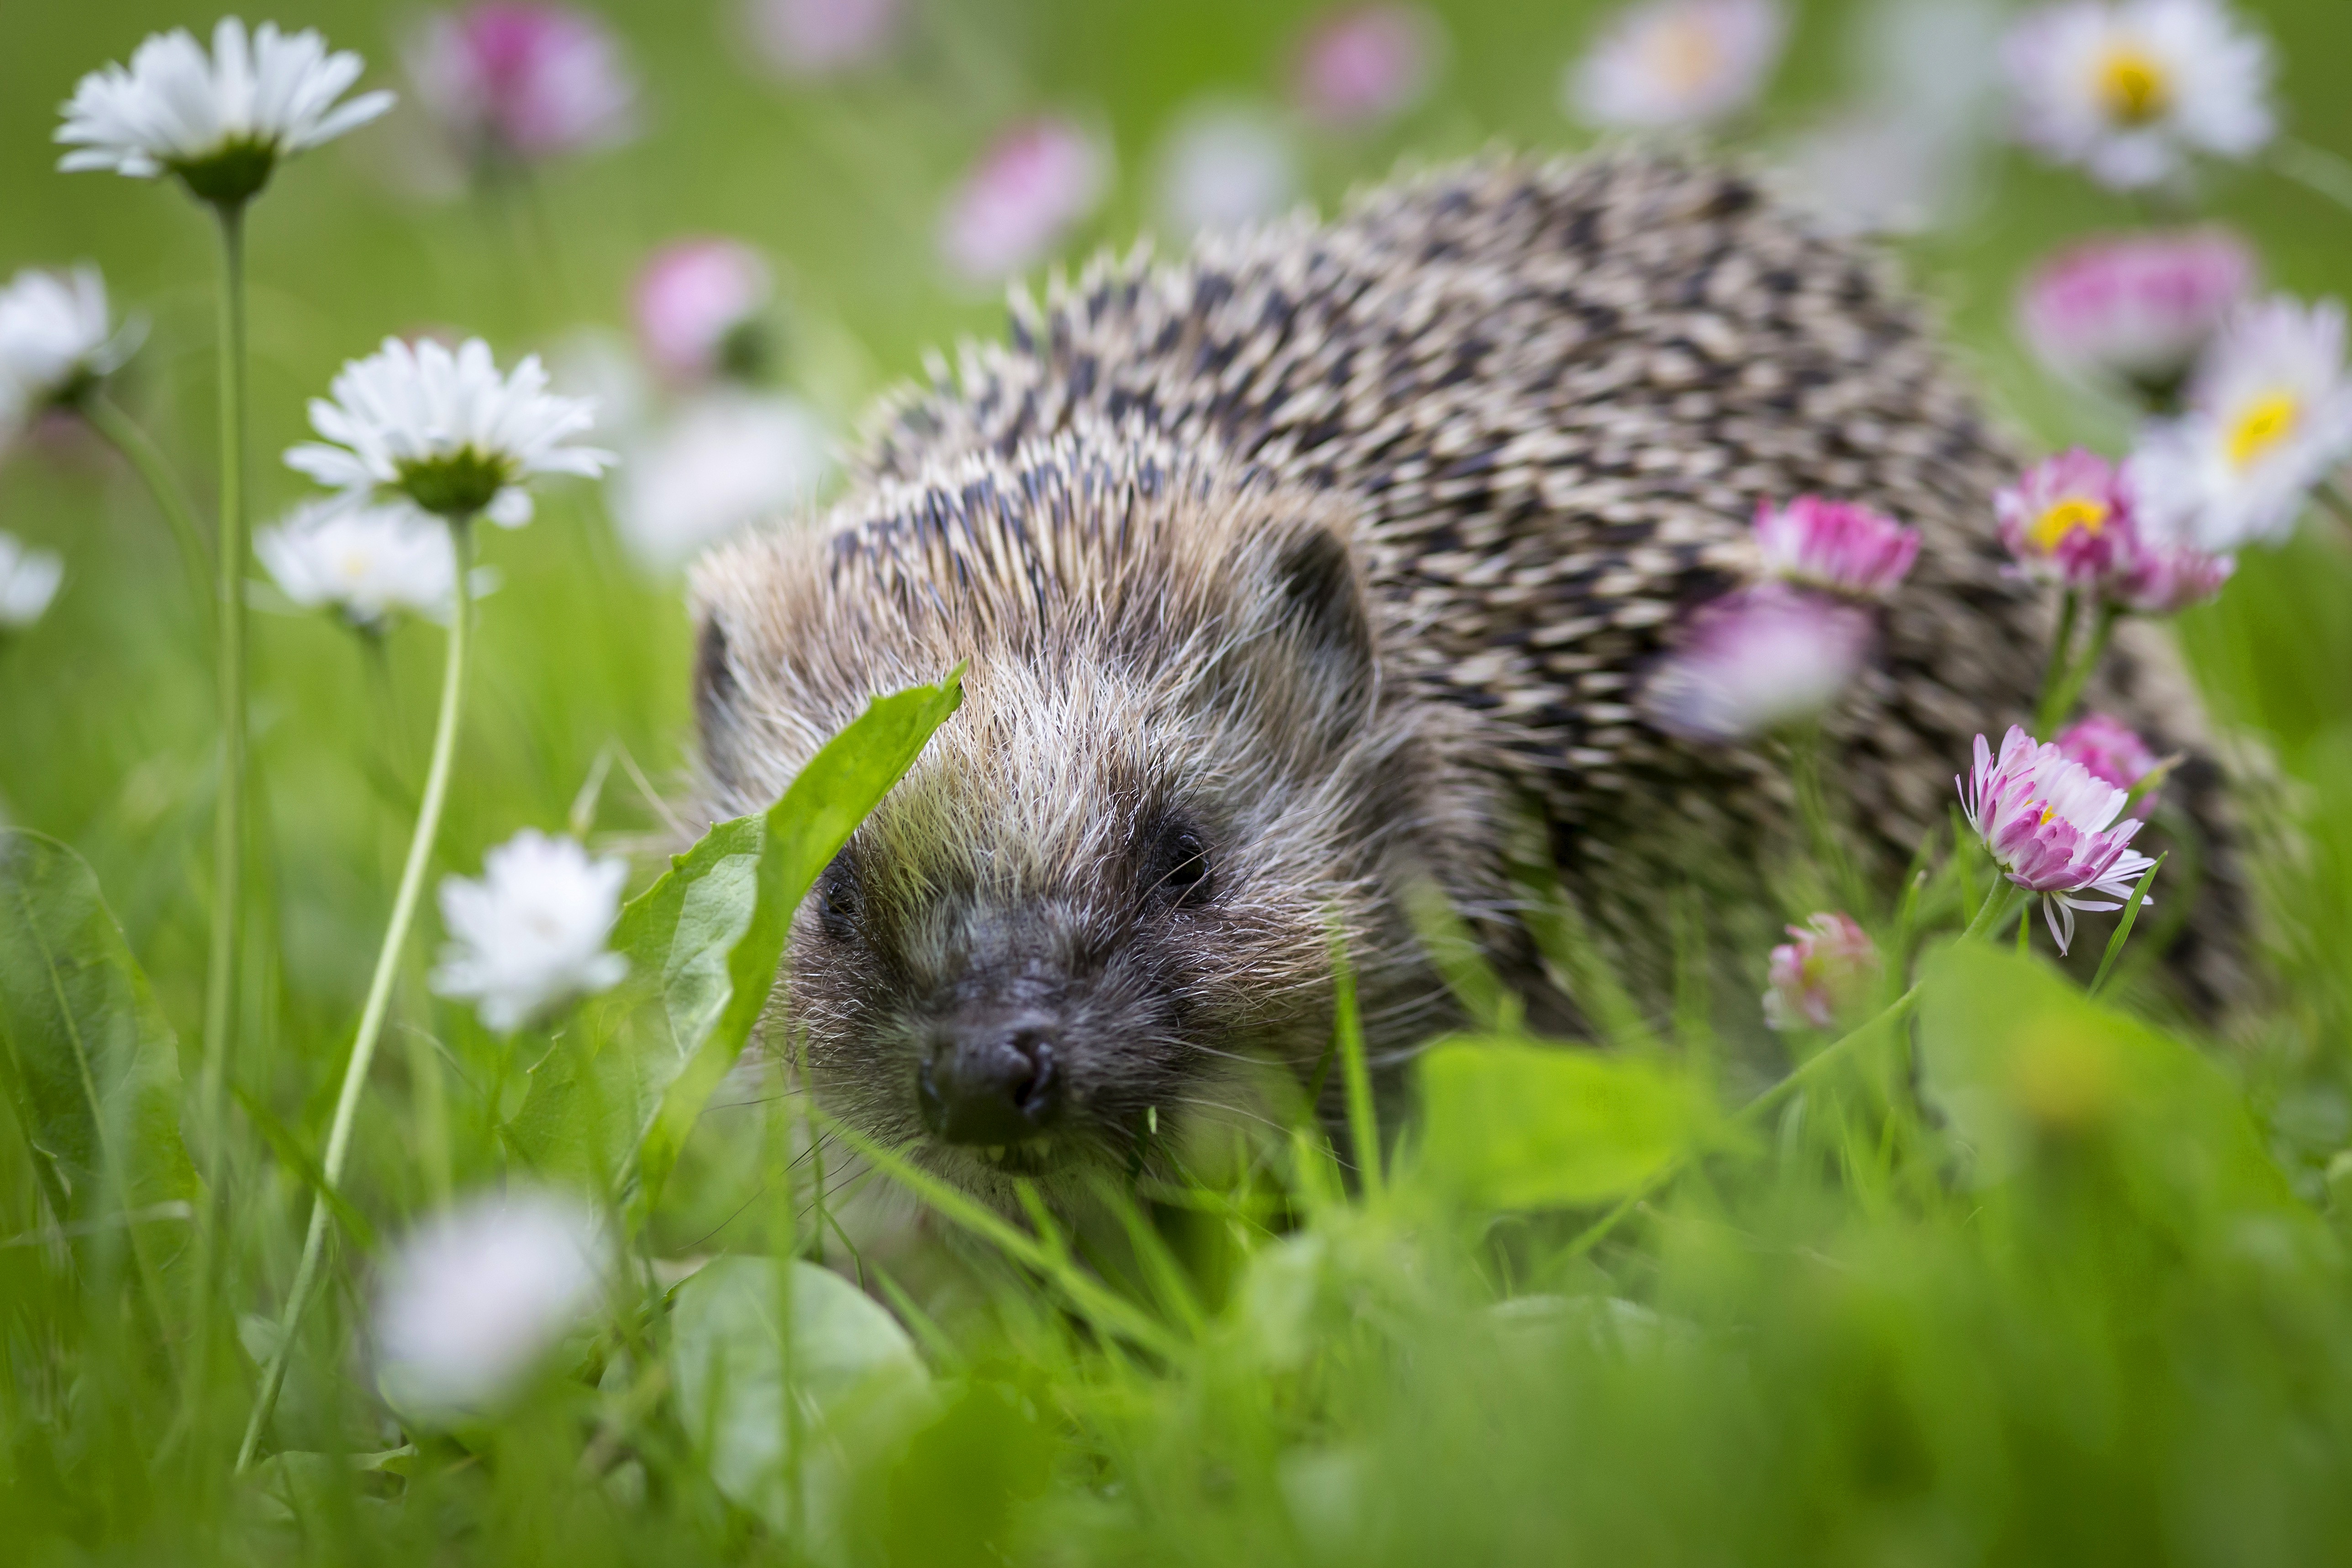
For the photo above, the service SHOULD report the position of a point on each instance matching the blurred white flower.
(1224, 166)
(445, 430)
(56, 339)
(693, 298)
(2268, 414)
(1033, 184)
(472, 1299)
(219, 122)
(1360, 64)
(1902, 155)
(530, 934)
(365, 563)
(28, 581)
(807, 39)
(1757, 660)
(1676, 62)
(518, 80)
(2129, 89)
(726, 460)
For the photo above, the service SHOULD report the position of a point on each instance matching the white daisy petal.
(447, 431)
(28, 581)
(365, 563)
(56, 338)
(530, 936)
(220, 121)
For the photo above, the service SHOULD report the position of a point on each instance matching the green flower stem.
(2053, 674)
(139, 450)
(379, 996)
(229, 806)
(2331, 496)
(2059, 701)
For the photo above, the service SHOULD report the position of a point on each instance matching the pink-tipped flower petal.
(1757, 660)
(1836, 546)
(2051, 824)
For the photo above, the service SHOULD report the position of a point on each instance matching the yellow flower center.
(2046, 814)
(1684, 55)
(2267, 421)
(2051, 529)
(2133, 86)
(355, 564)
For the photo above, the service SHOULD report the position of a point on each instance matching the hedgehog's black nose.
(990, 1083)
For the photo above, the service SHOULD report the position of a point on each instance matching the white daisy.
(365, 563)
(56, 340)
(530, 934)
(1224, 166)
(222, 121)
(1676, 62)
(728, 460)
(28, 581)
(2130, 90)
(474, 1298)
(2269, 413)
(447, 431)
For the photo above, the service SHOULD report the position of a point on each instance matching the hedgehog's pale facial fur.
(1177, 780)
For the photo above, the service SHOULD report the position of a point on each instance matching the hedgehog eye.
(838, 901)
(1184, 876)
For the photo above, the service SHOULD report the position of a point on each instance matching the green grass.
(2029, 1279)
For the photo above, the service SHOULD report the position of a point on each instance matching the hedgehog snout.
(990, 1079)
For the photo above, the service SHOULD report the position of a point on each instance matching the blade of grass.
(1109, 1313)
(2132, 907)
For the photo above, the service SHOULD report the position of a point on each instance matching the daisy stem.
(228, 808)
(1991, 912)
(2053, 674)
(379, 996)
(2059, 702)
(139, 450)
(2315, 169)
(2331, 496)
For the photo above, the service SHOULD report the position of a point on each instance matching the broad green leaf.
(91, 1068)
(614, 1100)
(2015, 1055)
(786, 1419)
(1513, 1126)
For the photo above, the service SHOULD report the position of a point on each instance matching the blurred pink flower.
(1360, 65)
(1818, 976)
(2112, 752)
(1676, 62)
(518, 80)
(1834, 545)
(2134, 310)
(2162, 579)
(2051, 824)
(1757, 659)
(2067, 520)
(691, 297)
(806, 38)
(1035, 183)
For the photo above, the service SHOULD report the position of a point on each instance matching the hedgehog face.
(1108, 893)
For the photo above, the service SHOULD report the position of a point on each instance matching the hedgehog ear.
(714, 696)
(1323, 602)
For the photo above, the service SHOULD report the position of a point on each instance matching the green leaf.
(613, 1100)
(1514, 1126)
(91, 1068)
(786, 1420)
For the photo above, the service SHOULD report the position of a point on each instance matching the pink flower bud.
(1836, 546)
(1028, 190)
(1819, 976)
(2112, 752)
(513, 79)
(1363, 64)
(690, 296)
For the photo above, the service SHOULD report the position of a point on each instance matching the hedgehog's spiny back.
(1560, 391)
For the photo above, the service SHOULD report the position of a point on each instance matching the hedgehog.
(1321, 572)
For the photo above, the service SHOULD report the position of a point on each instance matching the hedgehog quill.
(1294, 577)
